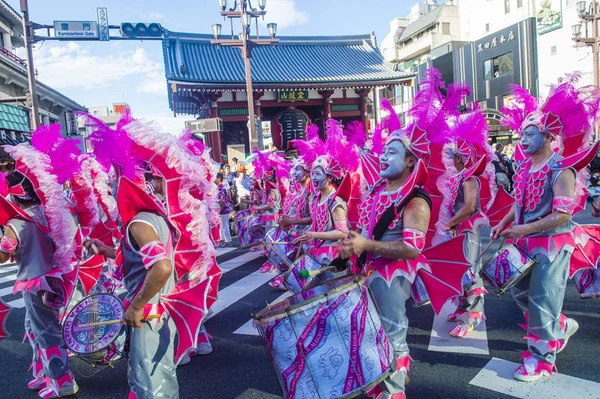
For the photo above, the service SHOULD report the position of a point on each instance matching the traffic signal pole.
(29, 40)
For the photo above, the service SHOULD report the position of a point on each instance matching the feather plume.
(64, 154)
(390, 121)
(312, 132)
(522, 105)
(377, 139)
(356, 134)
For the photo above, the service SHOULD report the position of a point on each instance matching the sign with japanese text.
(292, 96)
(76, 29)
(103, 31)
(496, 41)
(549, 16)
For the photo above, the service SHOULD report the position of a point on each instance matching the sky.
(103, 73)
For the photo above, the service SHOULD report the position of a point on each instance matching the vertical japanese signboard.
(103, 31)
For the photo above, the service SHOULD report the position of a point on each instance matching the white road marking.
(497, 376)
(17, 303)
(236, 291)
(224, 250)
(9, 278)
(238, 261)
(475, 343)
(248, 327)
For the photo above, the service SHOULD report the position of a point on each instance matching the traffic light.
(141, 30)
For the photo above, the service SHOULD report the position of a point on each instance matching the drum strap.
(390, 214)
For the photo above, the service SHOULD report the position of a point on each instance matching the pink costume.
(567, 116)
(45, 252)
(181, 220)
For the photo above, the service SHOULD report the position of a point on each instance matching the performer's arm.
(288, 221)
(340, 231)
(99, 248)
(563, 207)
(158, 273)
(8, 244)
(415, 216)
(508, 219)
(269, 205)
(464, 213)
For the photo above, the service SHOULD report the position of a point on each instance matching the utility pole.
(34, 113)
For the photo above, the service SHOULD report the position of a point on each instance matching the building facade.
(54, 106)
(297, 81)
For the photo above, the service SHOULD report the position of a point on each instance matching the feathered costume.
(181, 221)
(440, 268)
(567, 116)
(45, 252)
(469, 142)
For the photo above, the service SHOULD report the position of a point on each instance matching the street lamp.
(589, 17)
(244, 10)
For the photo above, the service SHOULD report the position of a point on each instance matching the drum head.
(93, 309)
(312, 296)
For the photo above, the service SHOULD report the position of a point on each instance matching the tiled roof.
(294, 61)
(13, 118)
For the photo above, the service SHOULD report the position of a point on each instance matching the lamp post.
(244, 10)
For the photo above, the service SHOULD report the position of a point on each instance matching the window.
(553, 50)
(445, 28)
(487, 28)
(1, 39)
(520, 3)
(571, 2)
(499, 66)
(506, 6)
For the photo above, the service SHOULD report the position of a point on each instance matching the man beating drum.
(391, 234)
(541, 216)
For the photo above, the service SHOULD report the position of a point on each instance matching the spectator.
(500, 166)
(242, 192)
(234, 164)
(226, 208)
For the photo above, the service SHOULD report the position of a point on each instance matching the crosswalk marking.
(238, 261)
(4, 269)
(497, 376)
(236, 291)
(224, 250)
(248, 328)
(475, 343)
(9, 278)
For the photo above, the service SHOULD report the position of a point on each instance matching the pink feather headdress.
(469, 136)
(113, 147)
(64, 154)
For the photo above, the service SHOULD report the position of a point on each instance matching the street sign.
(103, 31)
(205, 125)
(76, 29)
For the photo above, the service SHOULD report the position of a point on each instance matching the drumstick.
(95, 249)
(486, 249)
(109, 322)
(307, 273)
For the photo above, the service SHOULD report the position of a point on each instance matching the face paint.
(299, 174)
(319, 177)
(532, 140)
(392, 160)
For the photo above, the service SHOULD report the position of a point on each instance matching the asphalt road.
(239, 367)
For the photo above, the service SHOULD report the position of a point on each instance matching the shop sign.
(292, 96)
(496, 41)
(549, 16)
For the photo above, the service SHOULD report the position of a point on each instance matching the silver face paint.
(299, 174)
(392, 160)
(318, 177)
(532, 140)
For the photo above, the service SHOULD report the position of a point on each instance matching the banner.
(549, 16)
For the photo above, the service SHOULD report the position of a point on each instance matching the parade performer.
(394, 218)
(225, 209)
(468, 158)
(166, 253)
(541, 219)
(39, 234)
(332, 185)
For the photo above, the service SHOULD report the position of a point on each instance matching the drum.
(418, 293)
(588, 283)
(327, 342)
(99, 345)
(251, 231)
(281, 255)
(293, 281)
(240, 219)
(507, 268)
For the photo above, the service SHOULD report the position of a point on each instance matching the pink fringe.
(100, 183)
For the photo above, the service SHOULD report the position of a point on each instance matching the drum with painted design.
(281, 250)
(292, 279)
(251, 231)
(507, 268)
(327, 342)
(588, 283)
(99, 345)
(418, 293)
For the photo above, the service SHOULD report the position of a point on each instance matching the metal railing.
(8, 54)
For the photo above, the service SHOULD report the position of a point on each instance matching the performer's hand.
(496, 231)
(356, 245)
(514, 232)
(595, 209)
(306, 237)
(133, 317)
(96, 246)
(284, 221)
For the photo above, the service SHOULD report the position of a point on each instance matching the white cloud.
(72, 66)
(152, 16)
(166, 121)
(285, 14)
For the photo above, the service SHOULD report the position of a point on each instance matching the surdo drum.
(507, 268)
(327, 342)
(281, 250)
(588, 283)
(292, 279)
(101, 345)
